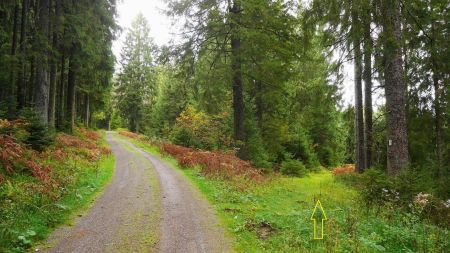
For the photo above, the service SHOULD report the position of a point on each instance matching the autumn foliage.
(130, 134)
(344, 169)
(11, 152)
(216, 164)
(18, 157)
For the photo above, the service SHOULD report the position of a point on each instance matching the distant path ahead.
(148, 207)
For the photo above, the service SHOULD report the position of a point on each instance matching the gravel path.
(148, 207)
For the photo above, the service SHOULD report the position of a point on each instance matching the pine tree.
(135, 85)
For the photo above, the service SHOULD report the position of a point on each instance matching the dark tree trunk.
(53, 69)
(395, 89)
(52, 95)
(359, 120)
(437, 106)
(438, 123)
(12, 75)
(133, 127)
(61, 93)
(86, 109)
(71, 102)
(368, 44)
(31, 82)
(23, 34)
(238, 97)
(42, 81)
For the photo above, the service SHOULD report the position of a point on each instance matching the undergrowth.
(273, 215)
(40, 188)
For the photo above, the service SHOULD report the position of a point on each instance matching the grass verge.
(274, 216)
(30, 209)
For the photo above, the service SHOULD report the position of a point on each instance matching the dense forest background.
(259, 77)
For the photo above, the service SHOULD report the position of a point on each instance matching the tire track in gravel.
(148, 207)
(125, 218)
(189, 223)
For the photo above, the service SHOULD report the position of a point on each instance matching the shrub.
(197, 129)
(39, 137)
(181, 136)
(129, 134)
(408, 184)
(351, 179)
(376, 187)
(301, 148)
(344, 169)
(10, 152)
(437, 211)
(292, 167)
(255, 151)
(219, 164)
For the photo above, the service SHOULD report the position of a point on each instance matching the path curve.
(148, 207)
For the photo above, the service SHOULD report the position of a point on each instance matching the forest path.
(148, 207)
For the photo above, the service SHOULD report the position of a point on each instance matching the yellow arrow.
(318, 214)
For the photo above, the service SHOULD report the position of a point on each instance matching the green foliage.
(256, 153)
(300, 148)
(350, 179)
(39, 136)
(33, 204)
(408, 184)
(285, 204)
(199, 130)
(376, 188)
(292, 167)
(135, 87)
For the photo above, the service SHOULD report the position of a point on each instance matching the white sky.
(162, 32)
(160, 25)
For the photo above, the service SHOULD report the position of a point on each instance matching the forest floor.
(148, 205)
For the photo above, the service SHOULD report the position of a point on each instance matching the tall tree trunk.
(12, 75)
(70, 105)
(437, 105)
(438, 123)
(86, 109)
(23, 34)
(238, 96)
(61, 93)
(54, 64)
(359, 120)
(133, 123)
(42, 82)
(31, 82)
(368, 44)
(395, 89)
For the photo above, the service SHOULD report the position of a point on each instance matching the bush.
(301, 148)
(182, 137)
(350, 179)
(344, 169)
(255, 151)
(408, 184)
(195, 129)
(39, 137)
(292, 167)
(215, 164)
(376, 187)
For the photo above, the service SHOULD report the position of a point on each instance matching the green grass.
(29, 217)
(275, 216)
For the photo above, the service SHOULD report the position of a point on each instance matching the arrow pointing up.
(318, 215)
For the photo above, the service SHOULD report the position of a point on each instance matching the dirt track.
(148, 207)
